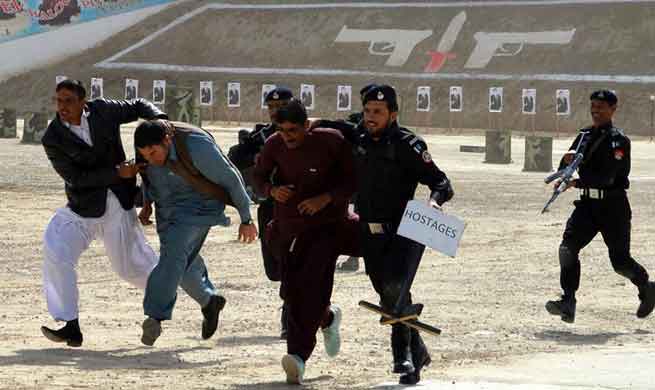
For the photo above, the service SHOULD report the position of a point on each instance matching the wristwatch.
(248, 222)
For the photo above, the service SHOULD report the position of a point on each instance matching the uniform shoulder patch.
(416, 143)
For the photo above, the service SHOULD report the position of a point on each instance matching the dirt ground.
(488, 301)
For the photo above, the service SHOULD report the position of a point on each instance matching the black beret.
(382, 93)
(604, 95)
(278, 93)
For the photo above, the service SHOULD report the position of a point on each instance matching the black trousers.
(392, 261)
(612, 218)
(307, 263)
(271, 264)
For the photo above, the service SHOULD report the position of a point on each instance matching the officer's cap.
(382, 93)
(277, 94)
(362, 91)
(605, 95)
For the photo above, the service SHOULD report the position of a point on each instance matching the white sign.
(234, 95)
(563, 101)
(159, 91)
(97, 88)
(529, 102)
(307, 96)
(423, 99)
(455, 99)
(431, 227)
(131, 89)
(344, 97)
(266, 88)
(206, 93)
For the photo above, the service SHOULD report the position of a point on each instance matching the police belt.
(599, 194)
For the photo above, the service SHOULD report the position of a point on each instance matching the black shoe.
(69, 334)
(211, 312)
(420, 357)
(284, 323)
(402, 355)
(151, 331)
(565, 308)
(647, 298)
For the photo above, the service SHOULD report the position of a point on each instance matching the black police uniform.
(389, 170)
(243, 156)
(603, 207)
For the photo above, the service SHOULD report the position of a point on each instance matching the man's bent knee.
(567, 257)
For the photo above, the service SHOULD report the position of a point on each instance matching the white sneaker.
(331, 337)
(294, 368)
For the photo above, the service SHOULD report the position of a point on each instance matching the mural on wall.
(20, 18)
(444, 40)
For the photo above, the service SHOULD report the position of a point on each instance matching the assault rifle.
(565, 175)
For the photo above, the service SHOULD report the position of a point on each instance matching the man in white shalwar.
(84, 146)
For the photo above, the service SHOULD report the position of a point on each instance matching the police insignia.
(618, 154)
(276, 96)
(426, 156)
(380, 95)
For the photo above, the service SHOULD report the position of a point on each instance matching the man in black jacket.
(84, 146)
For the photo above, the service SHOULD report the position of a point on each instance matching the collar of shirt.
(84, 122)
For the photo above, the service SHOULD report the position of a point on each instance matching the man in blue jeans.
(185, 170)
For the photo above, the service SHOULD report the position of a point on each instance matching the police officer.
(243, 156)
(391, 162)
(603, 207)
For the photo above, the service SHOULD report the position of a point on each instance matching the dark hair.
(150, 133)
(294, 112)
(75, 86)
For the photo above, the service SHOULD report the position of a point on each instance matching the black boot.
(647, 298)
(69, 334)
(565, 308)
(284, 322)
(420, 359)
(210, 314)
(402, 355)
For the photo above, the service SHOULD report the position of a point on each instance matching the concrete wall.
(543, 45)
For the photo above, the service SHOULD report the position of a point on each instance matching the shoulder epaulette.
(414, 141)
